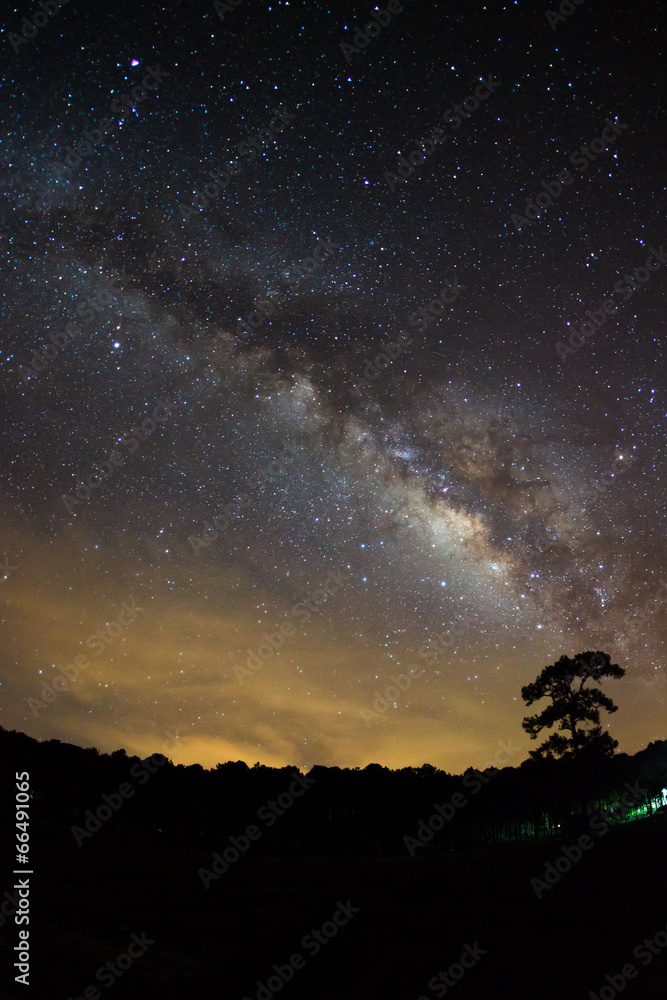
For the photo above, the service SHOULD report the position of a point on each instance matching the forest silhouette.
(231, 874)
(229, 871)
(367, 810)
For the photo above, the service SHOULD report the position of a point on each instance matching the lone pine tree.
(573, 706)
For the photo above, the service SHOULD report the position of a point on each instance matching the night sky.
(461, 514)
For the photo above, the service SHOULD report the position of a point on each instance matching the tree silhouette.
(572, 705)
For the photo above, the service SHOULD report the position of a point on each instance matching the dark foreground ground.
(414, 919)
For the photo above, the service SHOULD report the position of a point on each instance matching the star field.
(478, 484)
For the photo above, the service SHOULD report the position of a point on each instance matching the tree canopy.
(573, 706)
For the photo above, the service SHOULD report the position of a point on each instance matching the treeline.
(331, 810)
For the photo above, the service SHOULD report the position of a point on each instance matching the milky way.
(471, 483)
